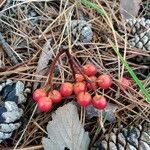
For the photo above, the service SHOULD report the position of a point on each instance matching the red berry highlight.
(89, 70)
(66, 89)
(104, 81)
(44, 104)
(84, 99)
(37, 94)
(79, 87)
(55, 96)
(125, 83)
(93, 84)
(79, 77)
(99, 102)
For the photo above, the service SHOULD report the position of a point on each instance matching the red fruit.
(99, 102)
(79, 87)
(84, 99)
(66, 89)
(55, 96)
(79, 77)
(37, 94)
(89, 70)
(44, 104)
(125, 83)
(93, 84)
(104, 81)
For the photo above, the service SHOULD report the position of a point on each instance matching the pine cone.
(12, 94)
(138, 26)
(146, 7)
(140, 30)
(81, 31)
(141, 41)
(139, 37)
(134, 138)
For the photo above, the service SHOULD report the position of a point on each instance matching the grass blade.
(145, 92)
(89, 4)
(137, 81)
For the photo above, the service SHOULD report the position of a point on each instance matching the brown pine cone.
(81, 31)
(141, 41)
(139, 29)
(133, 138)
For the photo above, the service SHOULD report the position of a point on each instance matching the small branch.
(8, 51)
(48, 84)
(32, 148)
(79, 69)
(2, 4)
(50, 74)
(71, 63)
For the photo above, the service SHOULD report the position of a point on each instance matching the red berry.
(79, 87)
(93, 84)
(66, 89)
(37, 94)
(99, 102)
(89, 70)
(44, 104)
(79, 77)
(84, 99)
(104, 81)
(125, 83)
(55, 96)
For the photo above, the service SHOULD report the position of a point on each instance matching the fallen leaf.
(108, 112)
(45, 57)
(129, 8)
(66, 131)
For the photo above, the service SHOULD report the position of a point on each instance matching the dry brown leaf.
(45, 57)
(129, 8)
(66, 130)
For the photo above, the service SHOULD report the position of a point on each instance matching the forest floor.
(32, 33)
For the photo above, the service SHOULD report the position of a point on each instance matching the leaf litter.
(129, 8)
(131, 105)
(45, 57)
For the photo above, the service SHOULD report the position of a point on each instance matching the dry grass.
(27, 34)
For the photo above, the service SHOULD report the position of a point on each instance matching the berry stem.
(78, 68)
(71, 63)
(50, 74)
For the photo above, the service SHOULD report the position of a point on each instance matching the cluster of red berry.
(83, 82)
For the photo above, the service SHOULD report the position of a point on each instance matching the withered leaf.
(129, 8)
(66, 131)
(45, 57)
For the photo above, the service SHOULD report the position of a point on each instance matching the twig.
(50, 74)
(8, 51)
(32, 148)
(79, 69)
(71, 63)
(2, 3)
(39, 147)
